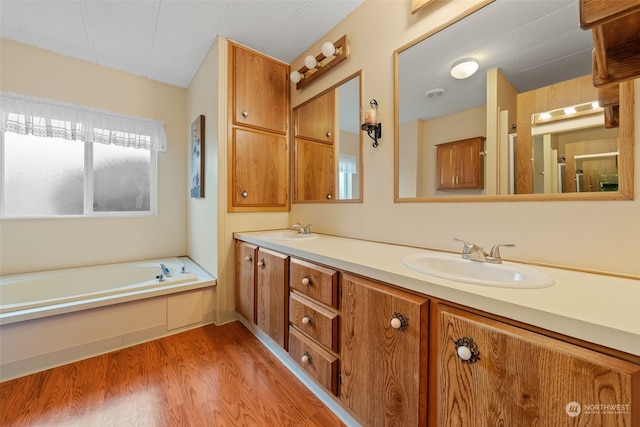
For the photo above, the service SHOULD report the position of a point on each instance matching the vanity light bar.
(323, 62)
(566, 113)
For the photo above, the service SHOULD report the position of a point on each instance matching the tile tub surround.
(596, 308)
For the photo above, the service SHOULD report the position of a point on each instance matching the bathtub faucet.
(165, 270)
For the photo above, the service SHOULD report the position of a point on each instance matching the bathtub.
(52, 318)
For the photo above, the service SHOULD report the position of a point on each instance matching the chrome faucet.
(165, 270)
(474, 252)
(306, 229)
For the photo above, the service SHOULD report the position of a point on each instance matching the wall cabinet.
(518, 377)
(258, 130)
(460, 164)
(315, 120)
(314, 171)
(384, 353)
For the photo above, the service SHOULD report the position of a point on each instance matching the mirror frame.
(360, 150)
(625, 144)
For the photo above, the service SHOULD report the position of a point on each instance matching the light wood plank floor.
(210, 376)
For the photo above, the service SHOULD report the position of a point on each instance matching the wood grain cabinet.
(246, 255)
(520, 378)
(272, 285)
(460, 164)
(258, 132)
(315, 120)
(384, 353)
(313, 317)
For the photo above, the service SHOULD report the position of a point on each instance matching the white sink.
(288, 235)
(454, 267)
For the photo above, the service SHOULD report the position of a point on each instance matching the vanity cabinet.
(460, 164)
(384, 353)
(246, 255)
(313, 316)
(258, 132)
(517, 377)
(272, 285)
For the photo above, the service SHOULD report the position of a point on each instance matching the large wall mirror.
(525, 126)
(327, 148)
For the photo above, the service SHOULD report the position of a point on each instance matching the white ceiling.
(166, 40)
(534, 43)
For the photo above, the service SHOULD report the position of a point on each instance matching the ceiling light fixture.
(435, 93)
(464, 68)
(314, 66)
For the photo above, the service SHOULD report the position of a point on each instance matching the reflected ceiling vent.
(435, 93)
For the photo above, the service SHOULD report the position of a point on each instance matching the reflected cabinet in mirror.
(327, 165)
(530, 108)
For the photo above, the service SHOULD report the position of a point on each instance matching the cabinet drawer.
(318, 363)
(318, 322)
(314, 281)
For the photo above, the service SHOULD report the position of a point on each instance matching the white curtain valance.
(28, 115)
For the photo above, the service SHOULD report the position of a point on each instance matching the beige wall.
(42, 244)
(560, 233)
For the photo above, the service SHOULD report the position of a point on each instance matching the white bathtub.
(34, 295)
(55, 317)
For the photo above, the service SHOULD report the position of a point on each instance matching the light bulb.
(464, 68)
(328, 49)
(545, 116)
(295, 76)
(310, 62)
(569, 110)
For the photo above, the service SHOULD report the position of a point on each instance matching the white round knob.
(306, 281)
(306, 320)
(305, 358)
(328, 134)
(248, 258)
(464, 353)
(245, 114)
(396, 323)
(261, 263)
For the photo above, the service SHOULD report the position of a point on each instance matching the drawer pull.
(248, 258)
(245, 114)
(399, 321)
(467, 350)
(306, 280)
(261, 263)
(244, 194)
(307, 320)
(306, 358)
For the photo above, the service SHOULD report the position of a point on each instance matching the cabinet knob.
(306, 280)
(307, 320)
(467, 350)
(244, 194)
(261, 263)
(329, 196)
(328, 134)
(248, 258)
(399, 321)
(306, 358)
(245, 114)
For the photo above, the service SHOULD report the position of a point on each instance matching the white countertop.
(600, 309)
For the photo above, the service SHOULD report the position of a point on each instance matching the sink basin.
(454, 267)
(288, 235)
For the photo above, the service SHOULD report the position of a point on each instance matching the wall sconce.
(314, 66)
(464, 68)
(371, 124)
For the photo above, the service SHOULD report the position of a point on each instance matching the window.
(96, 163)
(346, 170)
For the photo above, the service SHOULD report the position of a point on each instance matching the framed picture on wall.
(197, 157)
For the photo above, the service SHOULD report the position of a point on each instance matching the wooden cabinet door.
(446, 167)
(384, 373)
(524, 379)
(273, 295)
(316, 119)
(314, 171)
(470, 165)
(260, 90)
(245, 280)
(259, 171)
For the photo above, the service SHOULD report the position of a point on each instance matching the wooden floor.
(210, 376)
